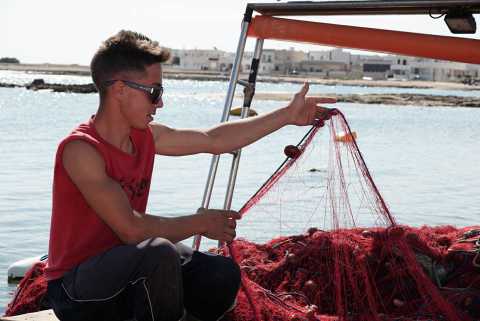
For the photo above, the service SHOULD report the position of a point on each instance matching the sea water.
(425, 160)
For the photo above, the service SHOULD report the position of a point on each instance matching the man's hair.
(127, 51)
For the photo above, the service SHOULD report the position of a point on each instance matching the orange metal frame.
(388, 41)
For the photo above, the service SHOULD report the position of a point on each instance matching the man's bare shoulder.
(82, 160)
(79, 148)
(160, 130)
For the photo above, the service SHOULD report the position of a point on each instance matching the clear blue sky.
(65, 31)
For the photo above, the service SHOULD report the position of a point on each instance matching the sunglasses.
(154, 92)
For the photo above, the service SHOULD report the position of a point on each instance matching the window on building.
(375, 67)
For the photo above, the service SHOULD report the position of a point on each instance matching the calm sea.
(424, 160)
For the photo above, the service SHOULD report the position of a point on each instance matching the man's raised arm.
(230, 136)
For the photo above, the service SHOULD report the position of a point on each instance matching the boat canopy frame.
(379, 7)
(266, 25)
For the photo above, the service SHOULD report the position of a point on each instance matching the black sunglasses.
(154, 92)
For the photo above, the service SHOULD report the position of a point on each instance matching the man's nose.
(159, 104)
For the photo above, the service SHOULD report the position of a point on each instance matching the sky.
(69, 32)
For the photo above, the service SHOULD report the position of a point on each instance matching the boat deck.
(46, 315)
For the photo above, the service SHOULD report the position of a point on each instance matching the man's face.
(137, 106)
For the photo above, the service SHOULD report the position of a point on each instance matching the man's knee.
(159, 251)
(161, 290)
(211, 285)
(216, 271)
(227, 283)
(227, 272)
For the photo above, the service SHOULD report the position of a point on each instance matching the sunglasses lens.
(155, 95)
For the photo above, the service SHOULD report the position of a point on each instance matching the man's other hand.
(219, 224)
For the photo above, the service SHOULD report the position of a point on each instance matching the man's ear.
(118, 89)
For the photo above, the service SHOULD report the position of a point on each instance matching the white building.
(411, 68)
(274, 61)
(377, 67)
(334, 63)
(202, 59)
(334, 55)
(323, 69)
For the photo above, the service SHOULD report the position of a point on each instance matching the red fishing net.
(346, 258)
(30, 294)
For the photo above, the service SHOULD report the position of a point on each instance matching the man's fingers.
(304, 89)
(324, 113)
(230, 234)
(233, 214)
(323, 100)
(232, 223)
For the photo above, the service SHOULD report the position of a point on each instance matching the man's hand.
(220, 224)
(305, 110)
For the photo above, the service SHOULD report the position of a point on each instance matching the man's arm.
(86, 168)
(230, 136)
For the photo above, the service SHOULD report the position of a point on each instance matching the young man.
(108, 259)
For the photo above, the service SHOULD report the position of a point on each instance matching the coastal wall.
(176, 73)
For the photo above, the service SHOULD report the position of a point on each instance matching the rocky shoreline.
(403, 99)
(172, 72)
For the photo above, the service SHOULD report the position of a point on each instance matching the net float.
(346, 137)
(292, 151)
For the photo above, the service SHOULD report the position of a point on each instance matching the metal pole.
(245, 109)
(249, 92)
(226, 112)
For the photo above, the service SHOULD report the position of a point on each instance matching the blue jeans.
(152, 281)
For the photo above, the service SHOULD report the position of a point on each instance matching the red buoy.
(319, 123)
(292, 151)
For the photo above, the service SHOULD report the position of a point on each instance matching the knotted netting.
(344, 257)
(326, 247)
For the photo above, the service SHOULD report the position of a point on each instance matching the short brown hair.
(127, 51)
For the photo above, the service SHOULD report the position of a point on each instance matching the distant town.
(334, 64)
(331, 67)
(331, 64)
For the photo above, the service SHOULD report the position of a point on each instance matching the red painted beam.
(388, 41)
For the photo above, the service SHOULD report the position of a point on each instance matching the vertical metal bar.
(245, 109)
(226, 112)
(249, 92)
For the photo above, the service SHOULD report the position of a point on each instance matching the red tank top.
(77, 232)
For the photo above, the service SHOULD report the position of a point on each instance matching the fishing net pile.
(346, 258)
(30, 294)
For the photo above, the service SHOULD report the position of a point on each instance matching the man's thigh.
(109, 282)
(66, 309)
(104, 276)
